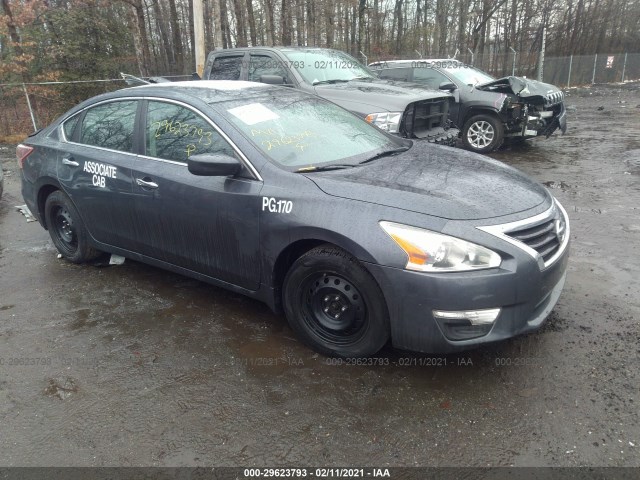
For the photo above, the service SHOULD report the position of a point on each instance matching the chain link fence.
(587, 69)
(26, 107)
(571, 71)
(29, 106)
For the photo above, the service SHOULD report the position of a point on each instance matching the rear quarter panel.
(39, 170)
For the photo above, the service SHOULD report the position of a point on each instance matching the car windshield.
(297, 130)
(326, 66)
(468, 75)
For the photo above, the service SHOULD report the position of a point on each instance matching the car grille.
(554, 98)
(544, 237)
(420, 119)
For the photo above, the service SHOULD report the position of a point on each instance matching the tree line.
(71, 39)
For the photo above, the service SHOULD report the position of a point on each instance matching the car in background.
(358, 236)
(409, 111)
(486, 110)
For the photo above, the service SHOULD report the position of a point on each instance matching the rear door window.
(110, 125)
(227, 67)
(69, 127)
(175, 133)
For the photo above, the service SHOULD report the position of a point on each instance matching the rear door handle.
(146, 183)
(70, 161)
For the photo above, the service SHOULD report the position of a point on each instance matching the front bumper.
(562, 119)
(536, 123)
(525, 294)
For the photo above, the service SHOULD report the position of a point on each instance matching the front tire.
(482, 133)
(334, 304)
(67, 230)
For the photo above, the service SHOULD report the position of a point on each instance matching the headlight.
(434, 252)
(388, 121)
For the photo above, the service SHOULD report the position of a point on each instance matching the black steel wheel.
(334, 304)
(67, 230)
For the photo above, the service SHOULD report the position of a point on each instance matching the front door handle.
(146, 183)
(70, 161)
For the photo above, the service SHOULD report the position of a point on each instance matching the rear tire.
(482, 133)
(67, 230)
(334, 304)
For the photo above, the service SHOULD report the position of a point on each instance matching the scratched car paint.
(360, 237)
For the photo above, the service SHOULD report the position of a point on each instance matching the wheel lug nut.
(326, 310)
(326, 299)
(337, 316)
(344, 308)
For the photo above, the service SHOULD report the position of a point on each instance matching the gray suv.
(407, 110)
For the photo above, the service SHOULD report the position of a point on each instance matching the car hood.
(437, 181)
(376, 95)
(531, 90)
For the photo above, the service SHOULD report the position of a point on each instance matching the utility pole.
(198, 33)
(513, 66)
(541, 57)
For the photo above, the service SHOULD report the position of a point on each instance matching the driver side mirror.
(213, 165)
(448, 86)
(275, 80)
(272, 79)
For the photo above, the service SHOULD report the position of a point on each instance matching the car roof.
(207, 91)
(221, 85)
(276, 47)
(211, 89)
(414, 61)
(195, 91)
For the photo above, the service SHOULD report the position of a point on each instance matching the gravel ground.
(132, 366)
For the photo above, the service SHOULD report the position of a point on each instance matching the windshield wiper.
(335, 80)
(324, 168)
(386, 153)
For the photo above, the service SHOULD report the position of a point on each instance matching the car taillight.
(22, 152)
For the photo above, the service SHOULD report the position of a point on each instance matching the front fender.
(483, 110)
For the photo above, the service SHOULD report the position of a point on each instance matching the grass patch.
(12, 139)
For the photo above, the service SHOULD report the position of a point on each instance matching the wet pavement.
(130, 365)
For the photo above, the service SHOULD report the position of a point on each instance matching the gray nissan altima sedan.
(358, 236)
